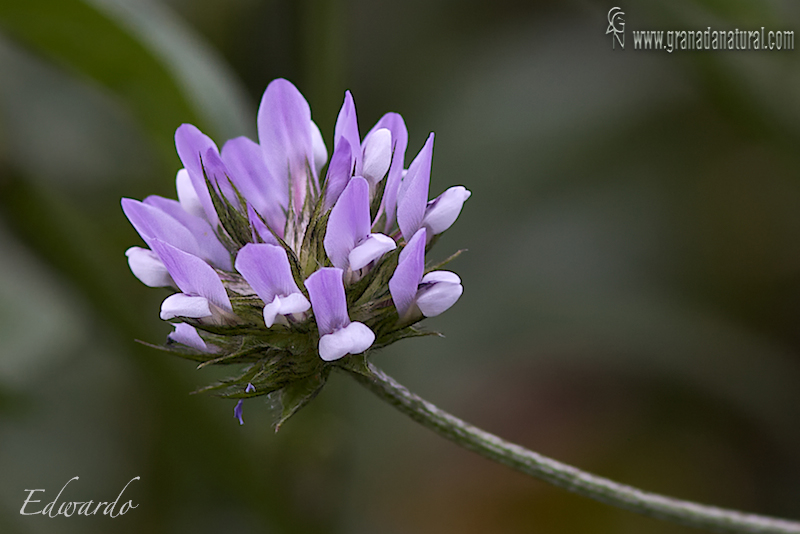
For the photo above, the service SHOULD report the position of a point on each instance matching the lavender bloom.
(339, 173)
(265, 194)
(153, 223)
(286, 268)
(193, 146)
(266, 268)
(413, 209)
(338, 336)
(348, 241)
(370, 159)
(203, 294)
(187, 335)
(288, 138)
(347, 129)
(394, 123)
(414, 294)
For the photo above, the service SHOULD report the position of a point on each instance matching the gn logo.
(616, 27)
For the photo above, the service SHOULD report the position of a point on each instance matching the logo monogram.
(616, 25)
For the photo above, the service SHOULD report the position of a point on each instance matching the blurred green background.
(632, 286)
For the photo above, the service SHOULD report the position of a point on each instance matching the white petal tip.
(182, 305)
(438, 292)
(287, 305)
(148, 268)
(377, 155)
(372, 248)
(352, 339)
(442, 212)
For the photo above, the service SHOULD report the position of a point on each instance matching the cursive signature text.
(68, 509)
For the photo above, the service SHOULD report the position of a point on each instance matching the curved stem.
(562, 475)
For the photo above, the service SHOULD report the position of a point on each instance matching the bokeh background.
(632, 285)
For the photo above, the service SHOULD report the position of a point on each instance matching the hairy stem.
(562, 475)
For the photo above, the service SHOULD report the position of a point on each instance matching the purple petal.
(318, 148)
(237, 411)
(370, 249)
(192, 145)
(394, 123)
(210, 247)
(183, 305)
(352, 339)
(260, 230)
(339, 172)
(152, 223)
(266, 268)
(406, 278)
(148, 268)
(438, 291)
(248, 167)
(284, 133)
(192, 275)
(186, 334)
(442, 212)
(326, 289)
(347, 128)
(412, 198)
(348, 222)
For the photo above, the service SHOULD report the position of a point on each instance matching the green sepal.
(357, 363)
(236, 226)
(312, 255)
(431, 242)
(296, 395)
(376, 282)
(312, 249)
(275, 370)
(406, 332)
(376, 200)
(441, 264)
(177, 349)
(249, 309)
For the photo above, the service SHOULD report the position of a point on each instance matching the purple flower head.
(288, 263)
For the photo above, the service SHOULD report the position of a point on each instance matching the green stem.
(562, 475)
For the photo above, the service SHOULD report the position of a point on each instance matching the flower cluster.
(284, 269)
